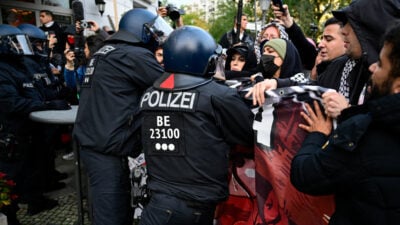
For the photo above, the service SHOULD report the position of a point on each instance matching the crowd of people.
(148, 88)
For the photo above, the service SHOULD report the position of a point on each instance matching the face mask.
(269, 67)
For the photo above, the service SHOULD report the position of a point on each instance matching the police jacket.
(189, 126)
(359, 163)
(42, 77)
(18, 97)
(115, 79)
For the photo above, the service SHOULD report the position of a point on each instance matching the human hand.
(316, 121)
(93, 26)
(162, 11)
(57, 105)
(284, 17)
(314, 72)
(334, 103)
(258, 90)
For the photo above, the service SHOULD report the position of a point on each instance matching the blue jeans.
(109, 187)
(166, 209)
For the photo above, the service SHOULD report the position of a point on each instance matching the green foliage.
(224, 21)
(304, 12)
(194, 19)
(307, 12)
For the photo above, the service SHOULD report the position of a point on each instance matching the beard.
(378, 91)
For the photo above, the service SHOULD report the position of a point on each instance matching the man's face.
(243, 23)
(332, 44)
(351, 42)
(44, 18)
(381, 84)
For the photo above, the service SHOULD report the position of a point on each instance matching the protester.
(331, 52)
(190, 124)
(268, 32)
(350, 73)
(229, 38)
(306, 49)
(359, 162)
(108, 121)
(362, 35)
(240, 62)
(281, 67)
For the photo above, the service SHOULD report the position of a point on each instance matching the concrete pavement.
(66, 213)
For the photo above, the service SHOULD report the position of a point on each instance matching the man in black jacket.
(49, 25)
(364, 23)
(108, 118)
(190, 124)
(229, 38)
(359, 162)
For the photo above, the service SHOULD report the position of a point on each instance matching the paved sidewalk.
(66, 213)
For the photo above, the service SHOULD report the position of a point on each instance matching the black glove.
(57, 105)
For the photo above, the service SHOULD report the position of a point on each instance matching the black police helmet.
(13, 41)
(141, 26)
(36, 36)
(33, 32)
(191, 50)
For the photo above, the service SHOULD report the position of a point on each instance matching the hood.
(370, 19)
(292, 63)
(248, 54)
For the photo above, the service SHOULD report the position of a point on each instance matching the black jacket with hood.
(359, 163)
(369, 20)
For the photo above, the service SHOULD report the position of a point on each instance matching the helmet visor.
(159, 28)
(19, 45)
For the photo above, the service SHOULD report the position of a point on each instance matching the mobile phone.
(280, 4)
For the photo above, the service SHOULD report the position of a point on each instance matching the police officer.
(39, 63)
(38, 68)
(19, 97)
(190, 123)
(108, 119)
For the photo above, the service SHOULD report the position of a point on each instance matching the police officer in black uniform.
(39, 63)
(49, 86)
(108, 118)
(190, 123)
(19, 97)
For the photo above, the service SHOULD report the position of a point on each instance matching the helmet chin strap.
(158, 35)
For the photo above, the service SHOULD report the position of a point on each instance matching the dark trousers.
(166, 209)
(109, 187)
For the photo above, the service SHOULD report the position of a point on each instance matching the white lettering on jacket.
(174, 100)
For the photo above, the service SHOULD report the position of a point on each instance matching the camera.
(85, 24)
(173, 12)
